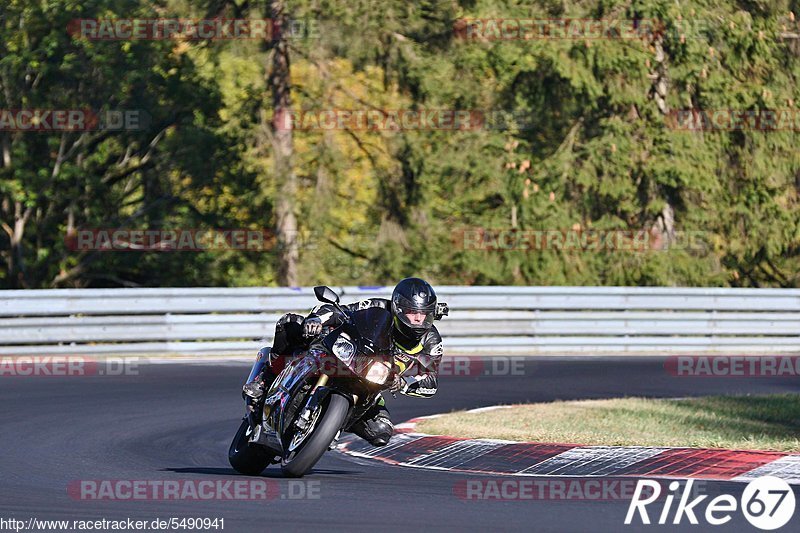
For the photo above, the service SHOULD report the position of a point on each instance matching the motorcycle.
(320, 393)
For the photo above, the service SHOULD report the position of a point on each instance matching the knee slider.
(382, 429)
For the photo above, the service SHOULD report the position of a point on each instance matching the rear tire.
(246, 458)
(317, 443)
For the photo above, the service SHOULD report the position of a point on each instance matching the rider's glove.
(398, 384)
(312, 326)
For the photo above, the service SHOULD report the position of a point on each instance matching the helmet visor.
(413, 315)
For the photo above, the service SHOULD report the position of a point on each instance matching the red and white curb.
(501, 457)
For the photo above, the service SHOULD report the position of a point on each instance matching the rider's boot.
(263, 378)
(375, 426)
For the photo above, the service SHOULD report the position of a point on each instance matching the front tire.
(247, 458)
(317, 443)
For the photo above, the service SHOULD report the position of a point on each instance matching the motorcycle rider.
(417, 350)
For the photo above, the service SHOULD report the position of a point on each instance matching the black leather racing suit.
(418, 360)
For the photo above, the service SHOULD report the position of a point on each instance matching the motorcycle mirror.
(326, 294)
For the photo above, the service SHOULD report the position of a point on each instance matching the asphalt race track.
(174, 422)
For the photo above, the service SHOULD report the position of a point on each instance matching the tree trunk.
(17, 265)
(279, 82)
(665, 225)
(5, 208)
(15, 258)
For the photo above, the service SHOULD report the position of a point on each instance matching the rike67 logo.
(767, 503)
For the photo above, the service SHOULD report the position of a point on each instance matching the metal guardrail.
(492, 320)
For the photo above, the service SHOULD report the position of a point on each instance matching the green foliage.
(590, 149)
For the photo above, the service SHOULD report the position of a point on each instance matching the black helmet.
(413, 295)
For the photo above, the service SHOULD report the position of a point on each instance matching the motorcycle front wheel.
(312, 444)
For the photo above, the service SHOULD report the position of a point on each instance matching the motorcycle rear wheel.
(246, 458)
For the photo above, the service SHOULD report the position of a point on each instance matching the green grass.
(737, 422)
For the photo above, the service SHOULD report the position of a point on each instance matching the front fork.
(259, 412)
(318, 395)
(313, 402)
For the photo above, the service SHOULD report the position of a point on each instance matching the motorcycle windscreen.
(374, 325)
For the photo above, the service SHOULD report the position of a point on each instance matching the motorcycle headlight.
(378, 372)
(344, 349)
